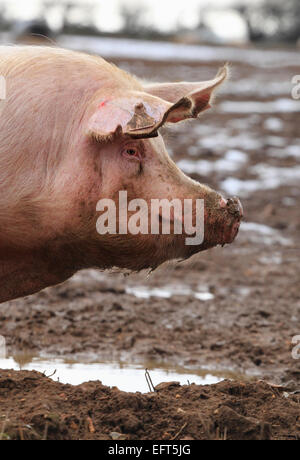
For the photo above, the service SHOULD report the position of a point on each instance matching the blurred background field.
(235, 308)
(194, 21)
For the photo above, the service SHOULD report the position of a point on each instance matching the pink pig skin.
(75, 129)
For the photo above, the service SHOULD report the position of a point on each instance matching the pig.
(74, 129)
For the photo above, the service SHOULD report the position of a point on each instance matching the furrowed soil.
(233, 309)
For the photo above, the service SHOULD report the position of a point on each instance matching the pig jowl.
(75, 129)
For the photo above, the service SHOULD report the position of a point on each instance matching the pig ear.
(193, 103)
(140, 114)
(134, 114)
(173, 92)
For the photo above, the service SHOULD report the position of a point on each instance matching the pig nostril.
(230, 202)
(234, 207)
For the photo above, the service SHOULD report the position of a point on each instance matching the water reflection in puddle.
(268, 178)
(126, 377)
(166, 292)
(258, 233)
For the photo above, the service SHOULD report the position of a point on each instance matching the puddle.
(281, 105)
(273, 259)
(233, 161)
(257, 87)
(226, 139)
(292, 150)
(269, 178)
(258, 233)
(126, 377)
(274, 124)
(166, 292)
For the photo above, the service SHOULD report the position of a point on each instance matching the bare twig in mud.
(3, 429)
(51, 375)
(219, 436)
(21, 433)
(149, 381)
(4, 426)
(45, 432)
(179, 432)
(225, 434)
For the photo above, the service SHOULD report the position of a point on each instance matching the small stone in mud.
(117, 436)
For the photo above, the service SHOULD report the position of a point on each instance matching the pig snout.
(233, 206)
(233, 210)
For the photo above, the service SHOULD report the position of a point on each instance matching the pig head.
(74, 130)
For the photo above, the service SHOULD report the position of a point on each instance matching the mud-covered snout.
(233, 206)
(233, 213)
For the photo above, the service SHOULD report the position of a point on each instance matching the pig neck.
(21, 276)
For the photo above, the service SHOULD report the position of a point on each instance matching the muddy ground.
(245, 325)
(35, 407)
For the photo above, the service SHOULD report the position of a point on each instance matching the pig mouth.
(230, 234)
(234, 214)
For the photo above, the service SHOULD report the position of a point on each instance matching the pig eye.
(132, 152)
